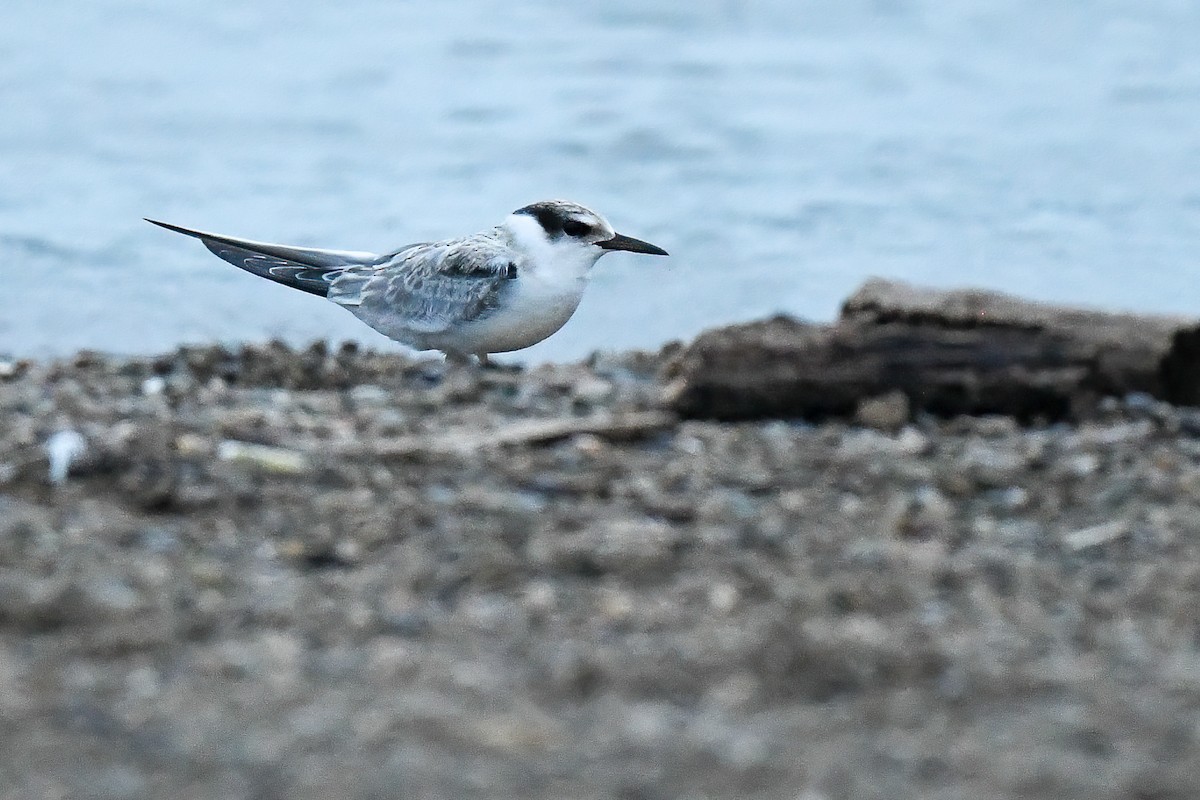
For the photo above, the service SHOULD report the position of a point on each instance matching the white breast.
(537, 304)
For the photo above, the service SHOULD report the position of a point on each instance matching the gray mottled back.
(430, 287)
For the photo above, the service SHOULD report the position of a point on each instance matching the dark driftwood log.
(949, 352)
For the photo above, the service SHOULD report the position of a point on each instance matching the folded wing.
(305, 268)
(429, 288)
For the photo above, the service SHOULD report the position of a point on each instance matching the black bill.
(619, 242)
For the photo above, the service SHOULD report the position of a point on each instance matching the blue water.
(782, 150)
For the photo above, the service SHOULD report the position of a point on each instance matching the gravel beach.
(275, 573)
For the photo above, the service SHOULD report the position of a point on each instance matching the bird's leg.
(483, 359)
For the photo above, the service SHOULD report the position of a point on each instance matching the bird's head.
(558, 230)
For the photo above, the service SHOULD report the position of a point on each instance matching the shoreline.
(307, 573)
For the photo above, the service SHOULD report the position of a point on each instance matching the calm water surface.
(782, 150)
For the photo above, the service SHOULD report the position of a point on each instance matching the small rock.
(144, 682)
(1140, 402)
(154, 385)
(189, 444)
(110, 597)
(1081, 465)
(540, 596)
(994, 426)
(591, 390)
(589, 444)
(1097, 535)
(912, 442)
(927, 514)
(886, 412)
(348, 551)
(622, 546)
(404, 624)
(389, 659)
(1014, 498)
(992, 464)
(850, 504)
(728, 505)
(370, 394)
(723, 597)
(616, 605)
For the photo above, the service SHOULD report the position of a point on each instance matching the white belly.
(531, 312)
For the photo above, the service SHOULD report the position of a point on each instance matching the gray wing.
(308, 269)
(429, 288)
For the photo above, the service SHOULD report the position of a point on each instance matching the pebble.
(154, 385)
(540, 596)
(591, 391)
(722, 597)
(369, 394)
(888, 412)
(1096, 535)
(1011, 499)
(1081, 465)
(991, 464)
(660, 611)
(926, 514)
(624, 546)
(728, 505)
(405, 624)
(111, 597)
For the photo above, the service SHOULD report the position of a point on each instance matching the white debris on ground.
(63, 449)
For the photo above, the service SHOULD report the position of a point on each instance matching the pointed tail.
(305, 268)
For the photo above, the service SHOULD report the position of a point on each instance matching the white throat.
(554, 259)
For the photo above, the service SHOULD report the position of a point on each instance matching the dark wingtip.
(174, 228)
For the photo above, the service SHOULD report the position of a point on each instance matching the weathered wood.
(880, 300)
(1179, 370)
(949, 352)
(463, 441)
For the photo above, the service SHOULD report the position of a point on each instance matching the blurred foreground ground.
(390, 607)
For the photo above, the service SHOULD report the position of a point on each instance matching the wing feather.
(309, 269)
(429, 288)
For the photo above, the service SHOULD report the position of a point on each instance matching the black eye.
(573, 227)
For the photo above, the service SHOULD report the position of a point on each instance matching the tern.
(495, 291)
